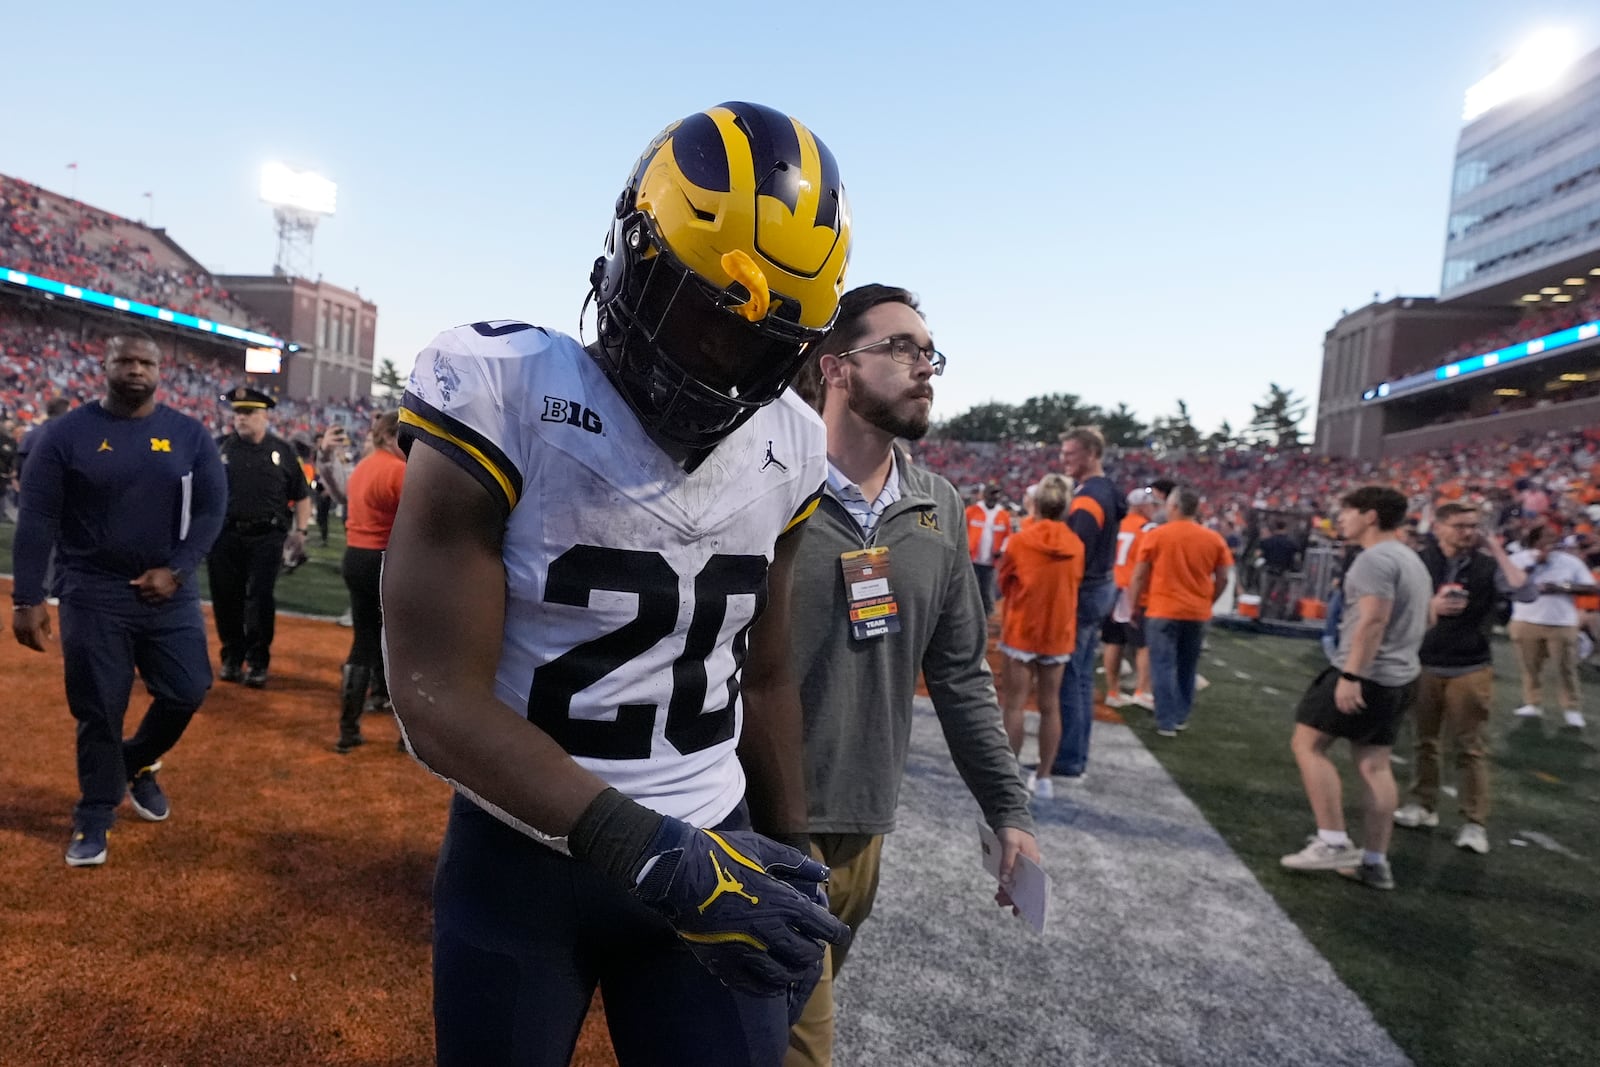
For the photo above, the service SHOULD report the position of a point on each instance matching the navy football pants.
(522, 935)
(102, 643)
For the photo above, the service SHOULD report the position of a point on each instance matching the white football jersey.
(631, 584)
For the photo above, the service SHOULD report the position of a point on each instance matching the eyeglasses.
(905, 350)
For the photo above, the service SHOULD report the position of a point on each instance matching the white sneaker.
(1126, 669)
(1318, 855)
(1529, 711)
(1147, 701)
(1573, 718)
(1415, 815)
(1201, 683)
(1474, 838)
(1117, 699)
(1043, 789)
(1166, 733)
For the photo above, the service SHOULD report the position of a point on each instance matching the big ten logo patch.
(572, 413)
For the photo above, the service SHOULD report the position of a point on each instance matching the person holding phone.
(1471, 573)
(1545, 626)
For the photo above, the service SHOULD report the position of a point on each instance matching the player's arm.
(38, 526)
(444, 615)
(773, 741)
(208, 507)
(299, 495)
(1219, 576)
(958, 679)
(1139, 583)
(1364, 642)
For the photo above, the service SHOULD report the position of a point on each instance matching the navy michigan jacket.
(117, 497)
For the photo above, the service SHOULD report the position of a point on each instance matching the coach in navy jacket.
(131, 493)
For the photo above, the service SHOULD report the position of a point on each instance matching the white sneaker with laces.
(1415, 815)
(1043, 789)
(1529, 711)
(1318, 855)
(1573, 718)
(1474, 838)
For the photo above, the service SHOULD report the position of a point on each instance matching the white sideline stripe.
(1163, 948)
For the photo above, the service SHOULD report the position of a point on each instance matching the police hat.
(245, 398)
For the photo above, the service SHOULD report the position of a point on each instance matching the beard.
(130, 394)
(882, 414)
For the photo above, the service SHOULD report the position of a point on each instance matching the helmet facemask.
(691, 367)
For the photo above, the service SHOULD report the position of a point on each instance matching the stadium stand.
(45, 352)
(44, 233)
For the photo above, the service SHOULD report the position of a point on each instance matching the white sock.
(1371, 858)
(1336, 838)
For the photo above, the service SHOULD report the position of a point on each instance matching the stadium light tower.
(299, 199)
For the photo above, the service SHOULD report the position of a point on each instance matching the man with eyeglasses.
(1471, 572)
(883, 589)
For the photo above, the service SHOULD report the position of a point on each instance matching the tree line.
(1275, 424)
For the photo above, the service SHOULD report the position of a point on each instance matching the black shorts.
(1376, 724)
(1124, 634)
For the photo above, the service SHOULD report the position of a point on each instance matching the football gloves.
(751, 910)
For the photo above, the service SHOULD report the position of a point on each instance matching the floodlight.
(1542, 59)
(304, 191)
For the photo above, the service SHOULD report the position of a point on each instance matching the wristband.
(1347, 676)
(613, 834)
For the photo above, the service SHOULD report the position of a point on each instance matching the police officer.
(264, 480)
(130, 494)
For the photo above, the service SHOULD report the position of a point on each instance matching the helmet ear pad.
(623, 244)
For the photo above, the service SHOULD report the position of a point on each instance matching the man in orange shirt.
(988, 526)
(1119, 630)
(1185, 567)
(373, 495)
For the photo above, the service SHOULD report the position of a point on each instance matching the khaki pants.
(853, 884)
(1536, 643)
(1455, 709)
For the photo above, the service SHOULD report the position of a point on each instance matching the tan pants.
(1455, 709)
(1536, 643)
(853, 884)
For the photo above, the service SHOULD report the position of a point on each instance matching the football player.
(587, 623)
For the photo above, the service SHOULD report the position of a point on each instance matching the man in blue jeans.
(1185, 567)
(1095, 516)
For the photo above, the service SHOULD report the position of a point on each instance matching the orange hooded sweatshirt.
(1039, 578)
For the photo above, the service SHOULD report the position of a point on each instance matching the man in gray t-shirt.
(1362, 696)
(1390, 571)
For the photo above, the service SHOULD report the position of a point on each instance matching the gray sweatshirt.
(857, 694)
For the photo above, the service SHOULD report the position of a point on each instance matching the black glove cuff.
(613, 835)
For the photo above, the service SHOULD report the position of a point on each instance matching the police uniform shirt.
(263, 480)
(631, 583)
(127, 495)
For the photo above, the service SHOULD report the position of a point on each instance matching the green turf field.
(314, 588)
(1472, 959)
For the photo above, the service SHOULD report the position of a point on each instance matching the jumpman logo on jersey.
(726, 883)
(773, 461)
(105, 445)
